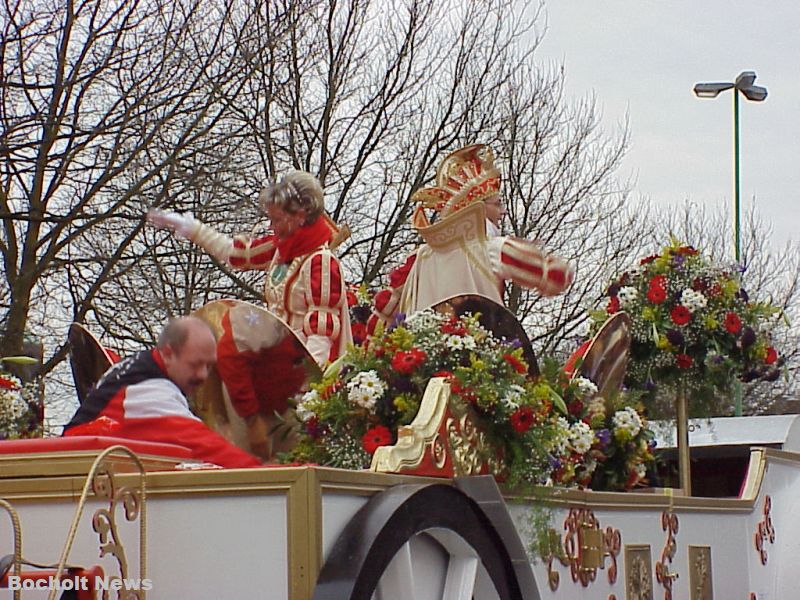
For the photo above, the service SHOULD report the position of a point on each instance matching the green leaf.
(21, 360)
(558, 401)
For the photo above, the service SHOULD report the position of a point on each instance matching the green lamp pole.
(744, 84)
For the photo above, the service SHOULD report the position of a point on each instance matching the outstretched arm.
(240, 252)
(526, 264)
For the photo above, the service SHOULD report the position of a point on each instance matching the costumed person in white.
(464, 251)
(304, 287)
(143, 397)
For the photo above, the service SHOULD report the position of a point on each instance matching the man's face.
(495, 210)
(284, 223)
(189, 366)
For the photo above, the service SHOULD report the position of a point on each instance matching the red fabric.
(259, 381)
(326, 288)
(205, 444)
(256, 258)
(304, 240)
(569, 368)
(399, 275)
(72, 442)
(100, 426)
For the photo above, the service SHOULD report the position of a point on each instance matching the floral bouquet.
(377, 387)
(603, 443)
(21, 407)
(694, 325)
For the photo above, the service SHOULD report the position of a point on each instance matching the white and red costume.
(304, 287)
(458, 256)
(141, 403)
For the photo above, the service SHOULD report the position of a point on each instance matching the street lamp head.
(756, 93)
(744, 83)
(745, 79)
(711, 90)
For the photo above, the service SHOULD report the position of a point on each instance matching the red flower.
(714, 291)
(733, 324)
(613, 305)
(522, 419)
(443, 373)
(466, 394)
(375, 438)
(648, 259)
(659, 281)
(453, 327)
(684, 361)
(7, 383)
(575, 408)
(656, 294)
(359, 331)
(680, 315)
(688, 251)
(352, 299)
(772, 355)
(405, 362)
(519, 366)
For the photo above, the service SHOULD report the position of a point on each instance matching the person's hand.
(258, 436)
(182, 225)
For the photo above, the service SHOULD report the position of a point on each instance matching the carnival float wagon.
(96, 516)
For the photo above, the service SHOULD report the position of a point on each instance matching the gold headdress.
(465, 176)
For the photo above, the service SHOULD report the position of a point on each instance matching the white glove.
(319, 347)
(183, 225)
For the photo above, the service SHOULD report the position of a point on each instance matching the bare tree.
(111, 107)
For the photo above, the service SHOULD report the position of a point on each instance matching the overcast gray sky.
(644, 56)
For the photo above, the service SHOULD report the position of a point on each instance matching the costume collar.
(303, 241)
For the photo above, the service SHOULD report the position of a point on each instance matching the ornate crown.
(465, 176)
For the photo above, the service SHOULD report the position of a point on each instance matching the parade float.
(438, 459)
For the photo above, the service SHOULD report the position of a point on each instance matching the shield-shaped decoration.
(494, 317)
(606, 356)
(87, 358)
(258, 357)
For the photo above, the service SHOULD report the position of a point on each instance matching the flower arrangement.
(535, 425)
(21, 408)
(605, 443)
(694, 325)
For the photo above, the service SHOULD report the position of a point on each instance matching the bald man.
(144, 396)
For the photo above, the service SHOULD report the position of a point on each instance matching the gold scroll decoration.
(584, 549)
(669, 524)
(765, 532)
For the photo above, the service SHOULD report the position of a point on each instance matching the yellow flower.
(648, 314)
(541, 392)
(663, 343)
(710, 323)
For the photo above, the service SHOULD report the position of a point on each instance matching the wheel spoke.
(461, 574)
(396, 581)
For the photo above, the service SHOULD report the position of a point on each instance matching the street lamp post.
(744, 84)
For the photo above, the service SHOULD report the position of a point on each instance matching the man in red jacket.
(144, 396)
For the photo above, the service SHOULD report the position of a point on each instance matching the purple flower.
(399, 319)
(742, 293)
(678, 260)
(650, 385)
(360, 314)
(613, 289)
(748, 337)
(554, 462)
(604, 437)
(675, 337)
